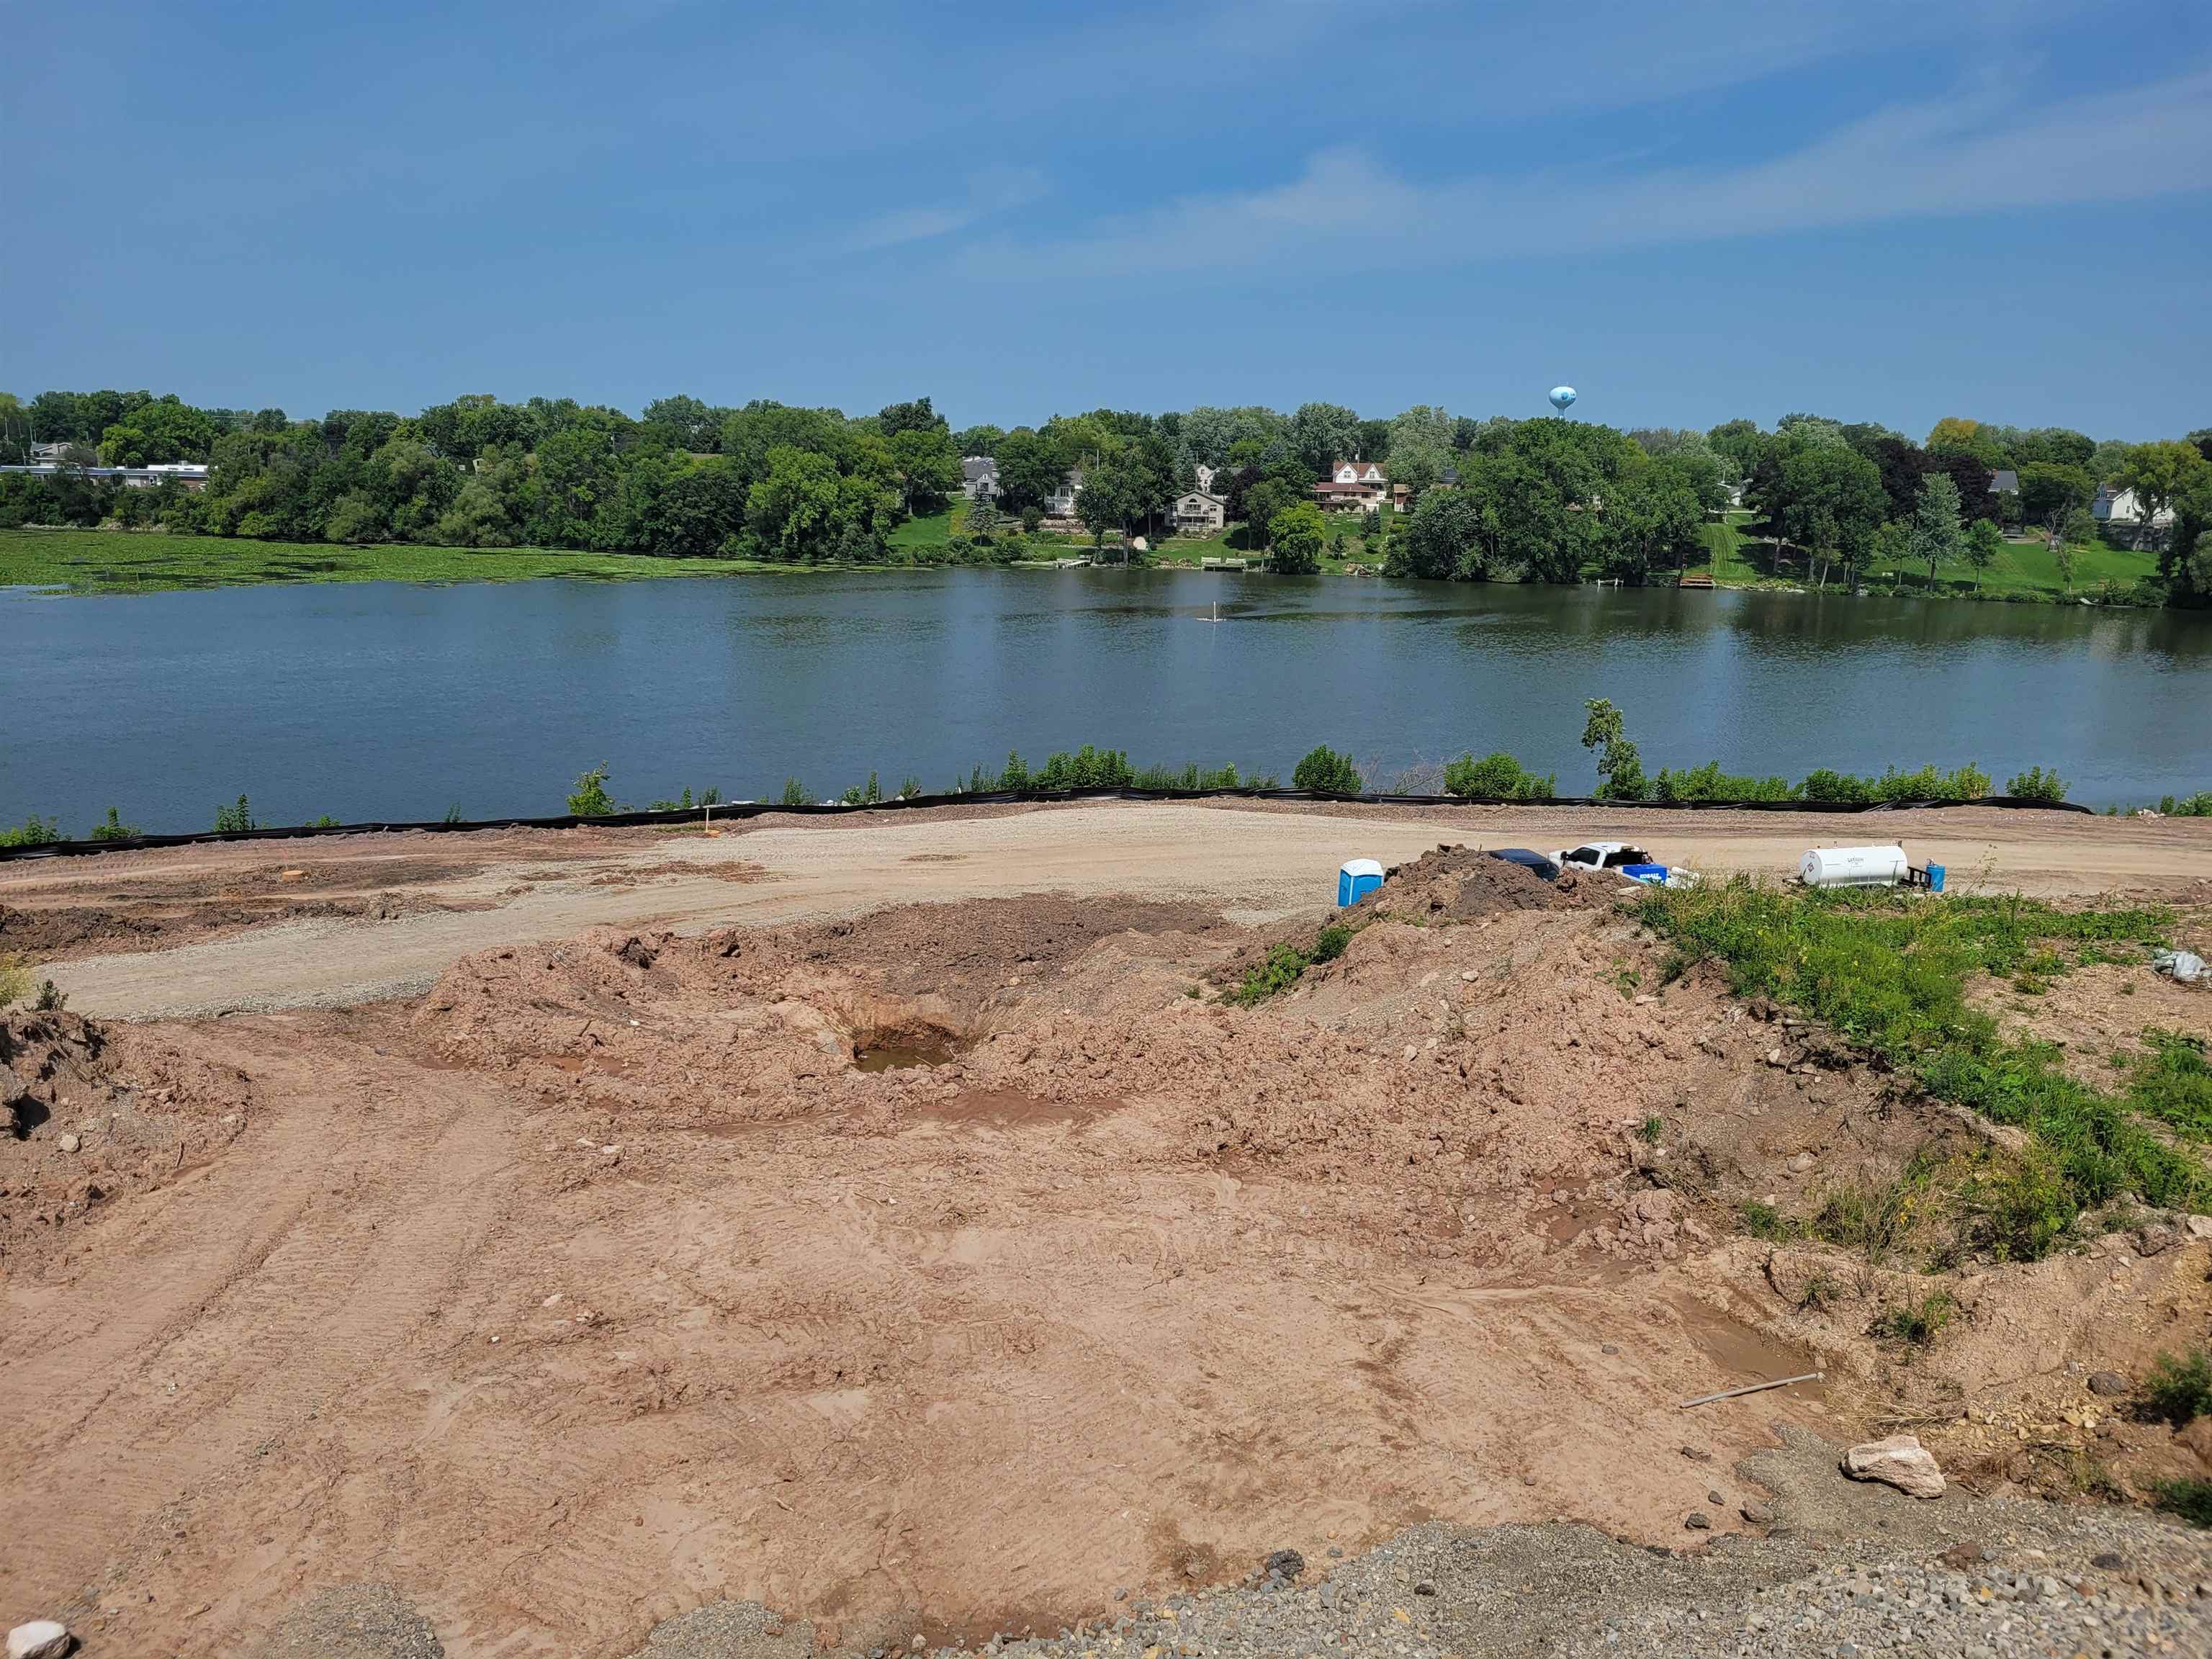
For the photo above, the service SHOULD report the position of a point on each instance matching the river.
(391, 700)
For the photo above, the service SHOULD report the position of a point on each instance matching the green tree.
(1653, 520)
(2074, 532)
(1983, 542)
(1109, 501)
(1936, 531)
(1446, 538)
(1326, 772)
(2158, 472)
(1618, 764)
(1495, 777)
(1030, 467)
(1264, 502)
(1296, 534)
(2049, 490)
(928, 467)
(590, 799)
(1320, 434)
(1830, 493)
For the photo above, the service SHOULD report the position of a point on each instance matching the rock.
(1285, 1563)
(2109, 1561)
(2107, 1384)
(1900, 1461)
(1698, 1521)
(1697, 1454)
(1800, 1163)
(1759, 1515)
(1607, 1347)
(2155, 1238)
(2196, 1439)
(1328, 1595)
(1715, 1498)
(70, 1143)
(42, 1638)
(2199, 1226)
(1425, 1587)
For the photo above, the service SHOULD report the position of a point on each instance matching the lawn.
(121, 562)
(2023, 569)
(934, 530)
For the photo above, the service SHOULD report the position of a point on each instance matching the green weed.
(1918, 1323)
(2190, 1499)
(2179, 1390)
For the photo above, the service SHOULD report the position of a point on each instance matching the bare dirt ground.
(607, 1279)
(378, 917)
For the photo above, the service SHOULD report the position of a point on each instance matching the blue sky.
(1873, 210)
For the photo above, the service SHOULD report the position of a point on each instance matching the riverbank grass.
(1893, 974)
(114, 561)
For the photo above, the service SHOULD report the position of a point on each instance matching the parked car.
(1547, 867)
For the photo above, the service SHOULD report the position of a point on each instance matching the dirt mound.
(611, 1279)
(1456, 883)
(90, 1115)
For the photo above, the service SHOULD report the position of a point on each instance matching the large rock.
(42, 1638)
(1900, 1461)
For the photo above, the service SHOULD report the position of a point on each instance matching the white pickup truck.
(1630, 862)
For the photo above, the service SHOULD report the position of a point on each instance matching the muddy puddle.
(903, 1056)
(1740, 1355)
(1009, 1109)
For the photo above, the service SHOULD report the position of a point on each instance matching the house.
(979, 477)
(1200, 513)
(189, 474)
(1206, 475)
(2004, 482)
(1358, 486)
(1060, 504)
(2120, 506)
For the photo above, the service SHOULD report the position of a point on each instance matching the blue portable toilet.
(1935, 878)
(1358, 877)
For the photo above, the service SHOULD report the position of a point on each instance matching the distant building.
(1060, 504)
(979, 478)
(2004, 482)
(1206, 475)
(191, 474)
(1200, 513)
(1358, 486)
(2120, 506)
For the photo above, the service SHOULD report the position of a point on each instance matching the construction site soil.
(947, 1271)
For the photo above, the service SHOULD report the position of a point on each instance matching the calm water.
(385, 701)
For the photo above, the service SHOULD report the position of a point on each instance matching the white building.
(2120, 506)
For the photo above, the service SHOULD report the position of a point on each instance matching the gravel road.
(1259, 862)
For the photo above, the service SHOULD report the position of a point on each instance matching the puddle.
(901, 1056)
(1009, 1109)
(1738, 1354)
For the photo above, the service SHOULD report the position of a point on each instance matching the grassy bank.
(2023, 569)
(1893, 974)
(96, 561)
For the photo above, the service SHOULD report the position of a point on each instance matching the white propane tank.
(1852, 866)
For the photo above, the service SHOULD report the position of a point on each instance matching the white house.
(1206, 475)
(1356, 486)
(979, 477)
(1200, 513)
(2120, 506)
(1060, 504)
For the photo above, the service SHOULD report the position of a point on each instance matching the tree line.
(1547, 499)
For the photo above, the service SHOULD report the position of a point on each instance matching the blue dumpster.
(1358, 877)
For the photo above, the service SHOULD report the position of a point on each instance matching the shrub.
(1763, 1220)
(1620, 768)
(1916, 1322)
(1325, 772)
(2189, 1497)
(1332, 942)
(2179, 1390)
(2036, 784)
(14, 979)
(1709, 782)
(863, 794)
(1278, 973)
(36, 832)
(2198, 805)
(1495, 777)
(590, 798)
(796, 794)
(234, 820)
(114, 829)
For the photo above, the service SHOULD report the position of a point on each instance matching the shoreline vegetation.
(481, 489)
(1495, 778)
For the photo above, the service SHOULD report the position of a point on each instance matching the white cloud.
(988, 195)
(1984, 148)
